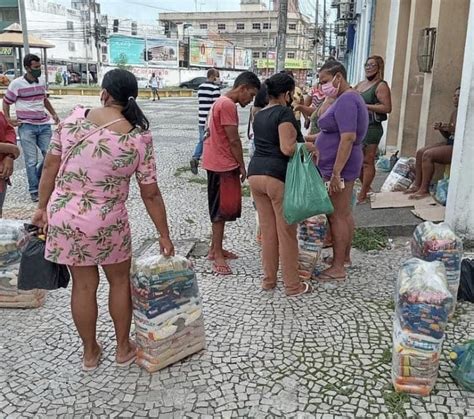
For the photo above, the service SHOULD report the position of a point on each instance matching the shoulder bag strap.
(81, 140)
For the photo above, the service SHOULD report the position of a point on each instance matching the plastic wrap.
(311, 233)
(437, 242)
(167, 310)
(12, 239)
(463, 371)
(401, 176)
(422, 304)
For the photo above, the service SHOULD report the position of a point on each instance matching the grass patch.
(340, 388)
(180, 170)
(246, 191)
(386, 357)
(373, 239)
(390, 305)
(190, 221)
(395, 401)
(198, 180)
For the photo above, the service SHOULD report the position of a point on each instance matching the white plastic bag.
(401, 177)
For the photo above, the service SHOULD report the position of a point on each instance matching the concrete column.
(380, 26)
(412, 80)
(361, 51)
(395, 57)
(450, 19)
(460, 205)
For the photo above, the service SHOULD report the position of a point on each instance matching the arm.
(6, 111)
(287, 134)
(384, 97)
(232, 132)
(155, 207)
(307, 111)
(49, 107)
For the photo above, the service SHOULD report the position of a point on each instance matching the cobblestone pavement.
(323, 354)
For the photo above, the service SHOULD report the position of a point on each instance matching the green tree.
(122, 62)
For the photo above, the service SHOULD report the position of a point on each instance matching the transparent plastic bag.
(167, 310)
(437, 242)
(311, 233)
(463, 371)
(401, 177)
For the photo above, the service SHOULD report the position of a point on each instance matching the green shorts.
(374, 135)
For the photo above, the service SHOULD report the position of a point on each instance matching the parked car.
(193, 83)
(10, 74)
(142, 82)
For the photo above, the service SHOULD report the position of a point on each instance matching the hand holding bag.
(305, 192)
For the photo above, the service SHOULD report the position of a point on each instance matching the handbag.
(305, 193)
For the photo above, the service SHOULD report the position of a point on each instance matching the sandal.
(227, 255)
(307, 289)
(324, 277)
(95, 364)
(221, 269)
(328, 261)
(130, 359)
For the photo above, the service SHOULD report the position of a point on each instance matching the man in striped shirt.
(28, 93)
(208, 93)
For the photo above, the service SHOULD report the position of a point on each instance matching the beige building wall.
(378, 43)
(450, 19)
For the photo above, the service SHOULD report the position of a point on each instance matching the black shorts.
(225, 195)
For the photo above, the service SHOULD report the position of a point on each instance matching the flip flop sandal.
(329, 278)
(228, 255)
(307, 289)
(221, 269)
(96, 364)
(129, 361)
(328, 261)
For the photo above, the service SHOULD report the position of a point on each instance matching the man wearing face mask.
(28, 93)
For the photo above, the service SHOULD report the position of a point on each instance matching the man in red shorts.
(224, 161)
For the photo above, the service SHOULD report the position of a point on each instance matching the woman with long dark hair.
(83, 190)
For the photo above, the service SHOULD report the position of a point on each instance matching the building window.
(221, 26)
(240, 26)
(292, 26)
(256, 54)
(70, 25)
(203, 26)
(290, 55)
(256, 26)
(134, 28)
(267, 25)
(71, 46)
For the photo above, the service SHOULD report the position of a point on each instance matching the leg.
(198, 151)
(268, 230)
(287, 240)
(44, 138)
(120, 307)
(368, 171)
(85, 280)
(418, 169)
(342, 227)
(28, 141)
(441, 154)
(216, 249)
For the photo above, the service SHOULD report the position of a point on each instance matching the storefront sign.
(290, 63)
(6, 51)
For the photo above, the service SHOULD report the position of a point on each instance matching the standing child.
(8, 153)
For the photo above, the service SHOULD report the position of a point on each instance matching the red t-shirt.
(7, 135)
(217, 156)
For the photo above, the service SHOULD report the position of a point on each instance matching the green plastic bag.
(463, 371)
(305, 192)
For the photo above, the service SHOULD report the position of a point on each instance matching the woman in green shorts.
(376, 94)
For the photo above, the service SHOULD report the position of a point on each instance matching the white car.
(10, 74)
(142, 82)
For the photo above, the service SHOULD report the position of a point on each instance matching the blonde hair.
(380, 63)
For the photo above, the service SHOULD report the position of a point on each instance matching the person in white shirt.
(155, 85)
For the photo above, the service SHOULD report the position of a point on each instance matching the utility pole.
(24, 26)
(316, 38)
(324, 30)
(267, 70)
(281, 36)
(97, 40)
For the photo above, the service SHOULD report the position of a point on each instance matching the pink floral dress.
(87, 217)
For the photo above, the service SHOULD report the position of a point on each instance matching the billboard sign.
(207, 53)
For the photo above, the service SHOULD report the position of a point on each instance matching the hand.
(335, 184)
(310, 147)
(243, 174)
(13, 122)
(6, 168)
(166, 246)
(14, 150)
(56, 119)
(40, 218)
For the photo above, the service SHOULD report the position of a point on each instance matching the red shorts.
(225, 195)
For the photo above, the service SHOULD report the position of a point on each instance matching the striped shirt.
(28, 98)
(208, 93)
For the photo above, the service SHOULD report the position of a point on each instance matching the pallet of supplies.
(437, 242)
(167, 310)
(422, 305)
(12, 238)
(401, 177)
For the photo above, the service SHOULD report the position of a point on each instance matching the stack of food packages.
(401, 176)
(437, 242)
(423, 302)
(311, 234)
(167, 310)
(12, 238)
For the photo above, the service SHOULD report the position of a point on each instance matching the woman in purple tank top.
(343, 127)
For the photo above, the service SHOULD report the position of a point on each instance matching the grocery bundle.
(423, 302)
(167, 311)
(401, 176)
(463, 358)
(11, 239)
(311, 234)
(437, 242)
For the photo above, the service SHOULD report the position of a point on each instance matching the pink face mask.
(329, 90)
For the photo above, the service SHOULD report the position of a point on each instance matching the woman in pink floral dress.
(83, 190)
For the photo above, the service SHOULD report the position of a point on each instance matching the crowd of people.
(82, 186)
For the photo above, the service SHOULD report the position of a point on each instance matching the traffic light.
(147, 55)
